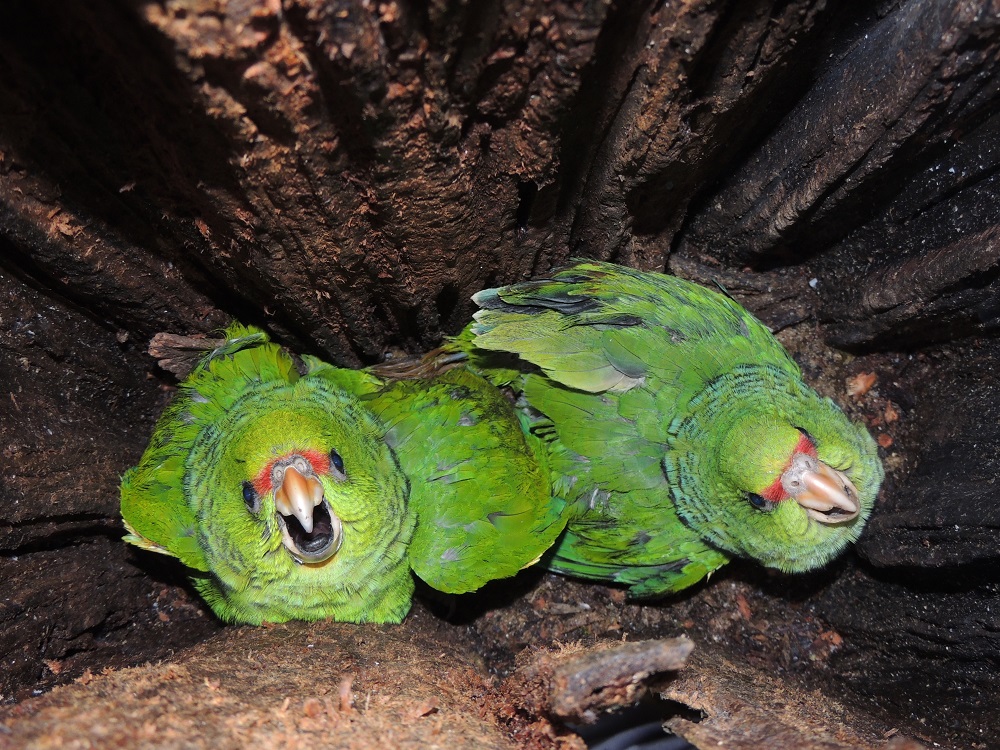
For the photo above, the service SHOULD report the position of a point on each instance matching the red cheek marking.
(263, 481)
(805, 445)
(775, 492)
(320, 463)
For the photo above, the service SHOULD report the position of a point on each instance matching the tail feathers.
(651, 581)
(532, 297)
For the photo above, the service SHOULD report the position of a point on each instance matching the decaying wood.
(914, 78)
(741, 708)
(178, 354)
(76, 408)
(953, 482)
(574, 685)
(617, 676)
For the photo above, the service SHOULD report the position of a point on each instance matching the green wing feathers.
(599, 327)
(478, 484)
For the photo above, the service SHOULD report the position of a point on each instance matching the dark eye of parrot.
(337, 463)
(760, 503)
(250, 497)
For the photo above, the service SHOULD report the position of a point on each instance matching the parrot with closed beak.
(678, 429)
(292, 489)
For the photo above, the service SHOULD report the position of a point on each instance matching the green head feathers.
(730, 468)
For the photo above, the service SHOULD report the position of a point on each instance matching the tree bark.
(348, 174)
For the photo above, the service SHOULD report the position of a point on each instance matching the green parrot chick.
(678, 429)
(277, 491)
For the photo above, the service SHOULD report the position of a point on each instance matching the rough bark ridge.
(348, 173)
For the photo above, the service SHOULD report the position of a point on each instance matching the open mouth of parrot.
(310, 530)
(827, 495)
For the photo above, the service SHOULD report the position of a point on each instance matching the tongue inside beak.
(310, 530)
(826, 494)
(297, 496)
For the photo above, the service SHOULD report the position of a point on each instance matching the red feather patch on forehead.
(775, 492)
(320, 463)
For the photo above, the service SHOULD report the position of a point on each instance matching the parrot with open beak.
(292, 489)
(678, 429)
(276, 490)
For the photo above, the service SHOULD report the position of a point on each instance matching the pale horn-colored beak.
(826, 494)
(297, 496)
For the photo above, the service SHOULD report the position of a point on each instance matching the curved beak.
(297, 496)
(826, 494)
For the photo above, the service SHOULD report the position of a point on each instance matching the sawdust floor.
(464, 674)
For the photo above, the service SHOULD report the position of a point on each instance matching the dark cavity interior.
(321, 536)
